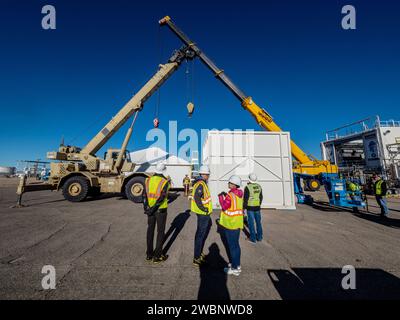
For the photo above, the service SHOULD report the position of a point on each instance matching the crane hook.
(190, 108)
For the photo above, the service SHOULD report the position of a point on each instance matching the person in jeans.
(201, 205)
(231, 220)
(252, 200)
(380, 190)
(155, 203)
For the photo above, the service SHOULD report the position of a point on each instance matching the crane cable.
(134, 119)
(189, 75)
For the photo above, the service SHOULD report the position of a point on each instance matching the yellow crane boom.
(304, 164)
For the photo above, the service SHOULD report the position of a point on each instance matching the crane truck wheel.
(76, 189)
(134, 189)
(313, 185)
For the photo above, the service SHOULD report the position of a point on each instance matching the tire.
(76, 189)
(134, 189)
(313, 185)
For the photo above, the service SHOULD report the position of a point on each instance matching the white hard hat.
(235, 180)
(160, 168)
(204, 170)
(252, 177)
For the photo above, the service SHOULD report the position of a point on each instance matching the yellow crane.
(305, 165)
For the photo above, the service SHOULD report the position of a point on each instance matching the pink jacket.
(225, 202)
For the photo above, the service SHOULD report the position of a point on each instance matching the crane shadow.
(388, 222)
(326, 284)
(326, 207)
(176, 227)
(390, 209)
(213, 280)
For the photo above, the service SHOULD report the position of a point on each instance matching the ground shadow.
(176, 227)
(326, 207)
(44, 202)
(326, 284)
(212, 276)
(388, 222)
(103, 196)
(378, 207)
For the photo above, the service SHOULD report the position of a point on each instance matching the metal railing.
(359, 127)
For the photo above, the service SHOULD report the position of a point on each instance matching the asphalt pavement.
(97, 248)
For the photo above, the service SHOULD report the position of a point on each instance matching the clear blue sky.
(292, 57)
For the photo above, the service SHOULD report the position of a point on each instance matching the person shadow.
(213, 280)
(176, 227)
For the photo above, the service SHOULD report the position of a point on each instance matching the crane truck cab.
(111, 156)
(80, 175)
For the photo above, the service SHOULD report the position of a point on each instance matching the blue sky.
(292, 57)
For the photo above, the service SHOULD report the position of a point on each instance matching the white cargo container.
(267, 154)
(146, 161)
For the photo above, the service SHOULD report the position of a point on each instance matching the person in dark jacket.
(253, 198)
(155, 203)
(380, 191)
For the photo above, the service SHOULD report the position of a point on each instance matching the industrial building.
(365, 147)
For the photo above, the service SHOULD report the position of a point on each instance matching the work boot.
(160, 259)
(198, 261)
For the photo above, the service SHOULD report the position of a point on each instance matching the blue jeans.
(383, 205)
(232, 239)
(251, 216)
(203, 228)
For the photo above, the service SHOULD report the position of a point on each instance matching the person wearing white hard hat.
(155, 203)
(201, 205)
(253, 198)
(231, 221)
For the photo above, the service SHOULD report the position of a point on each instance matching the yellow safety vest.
(205, 200)
(378, 190)
(154, 185)
(233, 217)
(254, 194)
(352, 186)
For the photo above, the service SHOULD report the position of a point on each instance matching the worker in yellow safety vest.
(252, 199)
(352, 188)
(380, 190)
(155, 203)
(231, 221)
(201, 205)
(186, 185)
